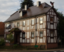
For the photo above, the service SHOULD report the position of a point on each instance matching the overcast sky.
(8, 7)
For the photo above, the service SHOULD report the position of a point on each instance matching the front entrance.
(17, 38)
(16, 33)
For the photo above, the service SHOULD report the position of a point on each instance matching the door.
(16, 38)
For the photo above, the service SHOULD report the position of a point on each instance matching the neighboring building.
(2, 27)
(39, 24)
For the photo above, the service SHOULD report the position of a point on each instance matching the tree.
(60, 27)
(29, 3)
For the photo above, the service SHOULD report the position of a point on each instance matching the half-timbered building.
(39, 24)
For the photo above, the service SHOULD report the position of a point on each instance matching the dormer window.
(23, 23)
(38, 3)
(32, 22)
(41, 20)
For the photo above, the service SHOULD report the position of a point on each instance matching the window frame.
(53, 33)
(51, 39)
(32, 34)
(52, 26)
(22, 35)
(40, 34)
(32, 22)
(18, 24)
(40, 20)
(23, 24)
(51, 21)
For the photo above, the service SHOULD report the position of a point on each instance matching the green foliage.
(19, 47)
(60, 27)
(10, 37)
(2, 42)
(14, 30)
(15, 45)
(26, 2)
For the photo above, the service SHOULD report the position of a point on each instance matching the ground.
(50, 50)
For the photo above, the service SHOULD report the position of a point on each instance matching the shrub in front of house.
(10, 38)
(15, 46)
(2, 42)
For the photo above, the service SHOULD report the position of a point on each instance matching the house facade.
(39, 24)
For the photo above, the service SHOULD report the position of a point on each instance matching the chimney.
(26, 7)
(38, 3)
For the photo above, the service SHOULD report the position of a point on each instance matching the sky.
(8, 7)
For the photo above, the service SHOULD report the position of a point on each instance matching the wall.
(31, 28)
(52, 26)
(2, 29)
(52, 45)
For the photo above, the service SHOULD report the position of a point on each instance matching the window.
(20, 40)
(23, 36)
(52, 40)
(32, 22)
(55, 39)
(32, 34)
(18, 24)
(20, 34)
(41, 34)
(8, 26)
(23, 23)
(52, 33)
(28, 41)
(51, 26)
(51, 19)
(41, 20)
(48, 39)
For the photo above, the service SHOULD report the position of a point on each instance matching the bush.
(15, 46)
(2, 42)
(10, 37)
(42, 46)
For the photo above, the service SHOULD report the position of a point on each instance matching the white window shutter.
(27, 34)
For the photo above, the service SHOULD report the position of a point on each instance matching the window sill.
(40, 37)
(41, 23)
(23, 26)
(32, 37)
(32, 24)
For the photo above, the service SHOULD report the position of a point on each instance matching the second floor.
(43, 21)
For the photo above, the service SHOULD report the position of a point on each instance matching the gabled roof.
(32, 11)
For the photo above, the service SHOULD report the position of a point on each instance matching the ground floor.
(44, 46)
(33, 38)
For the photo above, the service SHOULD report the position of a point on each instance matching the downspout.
(35, 30)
